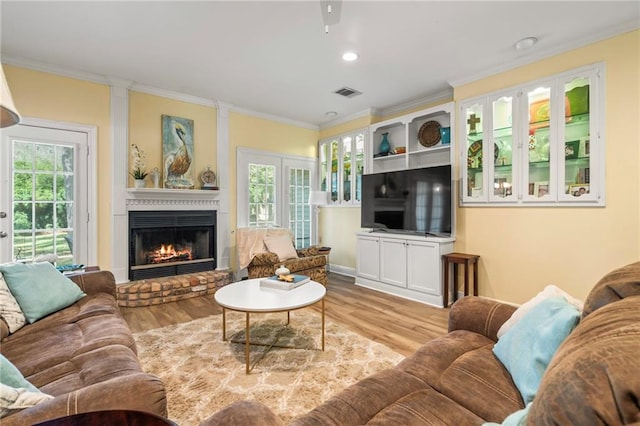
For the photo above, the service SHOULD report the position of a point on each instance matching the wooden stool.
(465, 260)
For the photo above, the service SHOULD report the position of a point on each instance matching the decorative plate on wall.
(429, 134)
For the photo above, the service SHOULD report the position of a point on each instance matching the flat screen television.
(414, 201)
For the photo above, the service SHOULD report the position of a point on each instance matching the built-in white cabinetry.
(408, 266)
(418, 139)
(368, 257)
(540, 143)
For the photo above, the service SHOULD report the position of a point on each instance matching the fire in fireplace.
(164, 243)
(168, 254)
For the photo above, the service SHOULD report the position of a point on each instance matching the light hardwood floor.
(400, 324)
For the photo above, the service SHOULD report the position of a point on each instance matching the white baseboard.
(342, 270)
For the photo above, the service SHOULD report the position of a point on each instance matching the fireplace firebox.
(166, 243)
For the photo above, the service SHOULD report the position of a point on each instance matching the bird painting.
(178, 152)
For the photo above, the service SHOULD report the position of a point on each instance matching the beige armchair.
(255, 254)
(308, 263)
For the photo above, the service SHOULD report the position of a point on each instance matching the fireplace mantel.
(171, 199)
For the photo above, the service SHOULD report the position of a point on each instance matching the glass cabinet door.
(576, 171)
(359, 166)
(505, 157)
(323, 166)
(539, 176)
(474, 185)
(335, 166)
(346, 168)
(543, 143)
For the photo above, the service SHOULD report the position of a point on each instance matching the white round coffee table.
(249, 297)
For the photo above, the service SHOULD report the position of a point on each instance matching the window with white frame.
(341, 166)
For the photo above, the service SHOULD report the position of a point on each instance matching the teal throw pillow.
(527, 348)
(16, 393)
(39, 288)
(11, 376)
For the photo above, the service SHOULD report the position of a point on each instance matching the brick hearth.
(155, 291)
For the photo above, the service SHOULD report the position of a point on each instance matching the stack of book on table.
(284, 282)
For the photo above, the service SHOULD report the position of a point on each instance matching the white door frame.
(91, 179)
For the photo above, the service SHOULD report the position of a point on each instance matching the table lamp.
(317, 198)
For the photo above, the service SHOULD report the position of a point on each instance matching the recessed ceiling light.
(330, 114)
(349, 56)
(525, 43)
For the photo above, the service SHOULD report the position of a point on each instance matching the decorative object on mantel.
(177, 152)
(138, 173)
(385, 147)
(208, 178)
(155, 177)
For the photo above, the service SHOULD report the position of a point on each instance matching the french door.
(273, 190)
(44, 196)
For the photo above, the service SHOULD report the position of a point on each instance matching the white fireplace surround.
(124, 199)
(148, 199)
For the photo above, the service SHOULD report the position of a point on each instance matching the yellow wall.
(265, 135)
(524, 249)
(52, 97)
(145, 130)
(358, 123)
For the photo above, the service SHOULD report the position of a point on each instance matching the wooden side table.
(459, 259)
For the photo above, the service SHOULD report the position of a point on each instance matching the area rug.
(202, 373)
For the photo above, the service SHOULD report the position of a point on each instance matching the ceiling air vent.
(347, 92)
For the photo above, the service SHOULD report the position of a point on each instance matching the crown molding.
(271, 117)
(52, 69)
(138, 87)
(535, 56)
(444, 96)
(350, 117)
(156, 91)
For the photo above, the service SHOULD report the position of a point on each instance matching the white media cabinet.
(404, 265)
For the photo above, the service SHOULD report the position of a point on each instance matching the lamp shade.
(8, 112)
(318, 197)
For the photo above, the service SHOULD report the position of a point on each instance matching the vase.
(138, 183)
(155, 177)
(385, 147)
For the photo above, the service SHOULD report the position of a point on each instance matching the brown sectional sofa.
(593, 378)
(83, 355)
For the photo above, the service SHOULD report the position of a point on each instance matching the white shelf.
(403, 132)
(173, 194)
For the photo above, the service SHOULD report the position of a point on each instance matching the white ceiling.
(274, 57)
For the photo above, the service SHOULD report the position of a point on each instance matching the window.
(273, 190)
(43, 200)
(341, 166)
(262, 195)
(48, 195)
(299, 208)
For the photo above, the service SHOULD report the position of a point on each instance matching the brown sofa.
(83, 355)
(593, 378)
(309, 263)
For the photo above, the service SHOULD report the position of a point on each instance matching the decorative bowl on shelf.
(400, 150)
